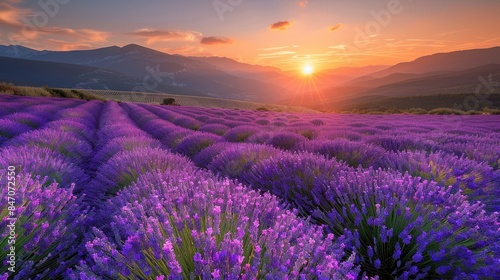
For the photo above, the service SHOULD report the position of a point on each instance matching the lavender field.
(136, 191)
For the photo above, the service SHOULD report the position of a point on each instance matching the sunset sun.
(307, 70)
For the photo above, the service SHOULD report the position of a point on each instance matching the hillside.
(424, 79)
(54, 74)
(452, 61)
(160, 72)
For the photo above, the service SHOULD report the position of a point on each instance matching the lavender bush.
(64, 143)
(155, 215)
(476, 180)
(196, 142)
(397, 225)
(218, 129)
(44, 162)
(286, 140)
(125, 167)
(48, 218)
(352, 153)
(240, 133)
(238, 159)
(199, 227)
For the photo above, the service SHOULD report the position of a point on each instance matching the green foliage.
(263, 109)
(492, 111)
(8, 88)
(170, 101)
(416, 111)
(46, 92)
(446, 111)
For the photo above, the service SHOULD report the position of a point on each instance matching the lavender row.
(50, 164)
(319, 179)
(48, 219)
(424, 229)
(58, 149)
(476, 179)
(397, 225)
(21, 118)
(136, 162)
(189, 224)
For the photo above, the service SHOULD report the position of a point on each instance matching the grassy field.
(433, 104)
(6, 88)
(442, 104)
(195, 101)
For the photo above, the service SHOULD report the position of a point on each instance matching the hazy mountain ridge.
(451, 61)
(131, 67)
(154, 70)
(424, 76)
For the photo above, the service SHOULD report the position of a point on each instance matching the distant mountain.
(452, 61)
(156, 70)
(55, 74)
(449, 73)
(465, 81)
(15, 51)
(231, 65)
(133, 67)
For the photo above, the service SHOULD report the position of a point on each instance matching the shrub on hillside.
(446, 111)
(169, 101)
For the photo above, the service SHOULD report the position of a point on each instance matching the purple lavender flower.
(47, 226)
(64, 143)
(126, 166)
(196, 142)
(238, 159)
(218, 129)
(44, 162)
(227, 243)
(240, 133)
(352, 153)
(286, 140)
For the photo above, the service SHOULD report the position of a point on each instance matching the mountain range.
(137, 68)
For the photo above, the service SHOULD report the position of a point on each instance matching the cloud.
(24, 32)
(273, 48)
(67, 45)
(166, 35)
(12, 16)
(215, 41)
(338, 47)
(274, 54)
(90, 35)
(303, 4)
(188, 51)
(336, 27)
(281, 25)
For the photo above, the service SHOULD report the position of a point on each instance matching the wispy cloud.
(273, 48)
(281, 25)
(215, 41)
(166, 35)
(444, 34)
(15, 18)
(89, 35)
(188, 51)
(12, 16)
(338, 47)
(303, 3)
(275, 54)
(62, 45)
(335, 27)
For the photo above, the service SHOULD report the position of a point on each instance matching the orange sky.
(281, 33)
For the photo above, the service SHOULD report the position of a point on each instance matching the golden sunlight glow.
(307, 69)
